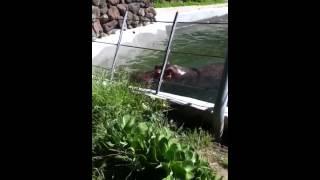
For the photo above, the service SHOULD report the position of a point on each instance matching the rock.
(104, 19)
(113, 13)
(108, 14)
(134, 24)
(136, 18)
(95, 11)
(135, 21)
(112, 23)
(94, 18)
(103, 10)
(147, 4)
(113, 2)
(97, 28)
(134, 8)
(129, 18)
(141, 12)
(130, 15)
(149, 15)
(103, 5)
(151, 10)
(93, 34)
(122, 8)
(142, 5)
(107, 27)
(96, 2)
(144, 21)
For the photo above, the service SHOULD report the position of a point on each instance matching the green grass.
(204, 145)
(164, 4)
(132, 138)
(197, 138)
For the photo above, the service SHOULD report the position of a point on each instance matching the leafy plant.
(132, 139)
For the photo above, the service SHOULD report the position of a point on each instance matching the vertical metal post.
(118, 45)
(168, 49)
(221, 103)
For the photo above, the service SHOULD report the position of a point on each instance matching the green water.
(200, 39)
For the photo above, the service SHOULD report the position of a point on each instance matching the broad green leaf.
(125, 120)
(110, 144)
(189, 175)
(123, 143)
(179, 156)
(142, 128)
(159, 166)
(154, 154)
(174, 147)
(145, 107)
(131, 149)
(163, 146)
(169, 177)
(178, 170)
(189, 155)
(142, 158)
(170, 155)
(195, 158)
(166, 168)
(188, 166)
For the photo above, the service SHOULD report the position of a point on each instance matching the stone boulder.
(96, 2)
(103, 4)
(108, 15)
(151, 10)
(95, 12)
(97, 28)
(113, 13)
(141, 12)
(135, 21)
(113, 2)
(122, 9)
(107, 27)
(134, 8)
(103, 10)
(104, 19)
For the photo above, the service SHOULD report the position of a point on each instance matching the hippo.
(208, 76)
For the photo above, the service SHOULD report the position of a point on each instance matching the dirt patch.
(217, 156)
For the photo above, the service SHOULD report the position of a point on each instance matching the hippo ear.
(169, 73)
(171, 68)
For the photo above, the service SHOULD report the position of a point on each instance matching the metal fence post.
(221, 103)
(118, 45)
(165, 61)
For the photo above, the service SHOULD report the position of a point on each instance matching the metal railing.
(222, 97)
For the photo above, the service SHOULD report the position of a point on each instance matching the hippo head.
(171, 72)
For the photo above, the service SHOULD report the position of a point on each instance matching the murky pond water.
(193, 46)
